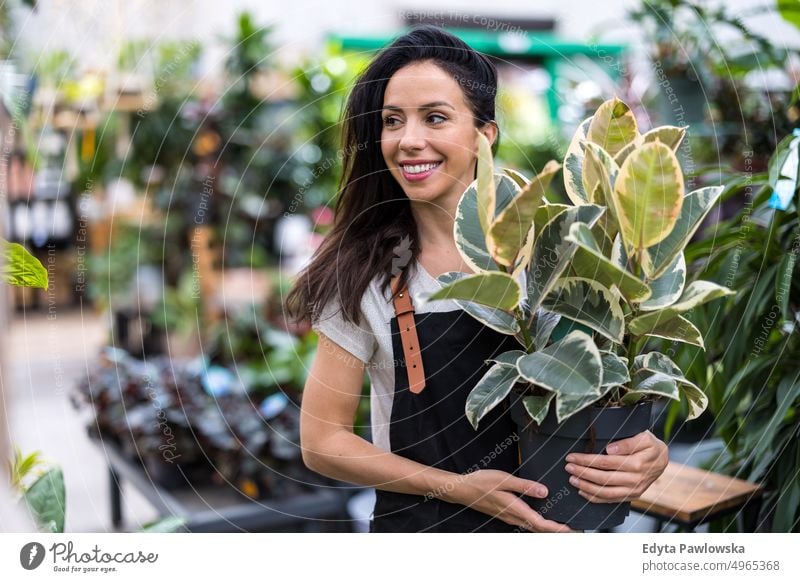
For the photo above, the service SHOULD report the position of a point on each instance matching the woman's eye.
(442, 118)
(388, 121)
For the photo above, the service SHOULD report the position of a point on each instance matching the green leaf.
(469, 236)
(648, 196)
(590, 303)
(490, 390)
(497, 290)
(509, 230)
(570, 366)
(20, 268)
(613, 126)
(615, 369)
(169, 524)
(485, 183)
(790, 11)
(696, 206)
(552, 251)
(496, 319)
(573, 165)
(590, 262)
(668, 288)
(46, 499)
(783, 282)
(537, 406)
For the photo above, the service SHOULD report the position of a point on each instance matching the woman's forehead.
(419, 85)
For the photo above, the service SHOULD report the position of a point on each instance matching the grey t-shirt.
(371, 341)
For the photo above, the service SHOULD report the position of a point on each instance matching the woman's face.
(428, 136)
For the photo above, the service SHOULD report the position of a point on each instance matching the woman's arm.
(330, 447)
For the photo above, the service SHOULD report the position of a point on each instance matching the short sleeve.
(358, 340)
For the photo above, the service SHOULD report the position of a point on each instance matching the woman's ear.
(489, 129)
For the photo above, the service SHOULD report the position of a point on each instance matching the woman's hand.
(624, 473)
(494, 493)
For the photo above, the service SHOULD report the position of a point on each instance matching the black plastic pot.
(544, 449)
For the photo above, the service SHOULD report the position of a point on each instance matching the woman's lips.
(419, 176)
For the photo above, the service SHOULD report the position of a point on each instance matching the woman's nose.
(413, 138)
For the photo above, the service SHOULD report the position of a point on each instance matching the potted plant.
(611, 267)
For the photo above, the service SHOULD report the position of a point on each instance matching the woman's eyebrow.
(430, 105)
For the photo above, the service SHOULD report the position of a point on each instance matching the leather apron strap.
(404, 310)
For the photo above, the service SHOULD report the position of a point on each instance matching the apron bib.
(431, 427)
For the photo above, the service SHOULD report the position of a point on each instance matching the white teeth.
(418, 169)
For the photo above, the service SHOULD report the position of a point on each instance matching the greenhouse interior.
(171, 169)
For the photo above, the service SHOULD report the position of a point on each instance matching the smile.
(416, 172)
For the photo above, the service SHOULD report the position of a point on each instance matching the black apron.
(431, 427)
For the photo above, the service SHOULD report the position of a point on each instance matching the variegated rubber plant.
(612, 263)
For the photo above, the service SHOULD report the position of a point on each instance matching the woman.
(409, 152)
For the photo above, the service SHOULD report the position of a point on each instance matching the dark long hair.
(373, 225)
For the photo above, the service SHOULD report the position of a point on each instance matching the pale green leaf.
(648, 196)
(613, 126)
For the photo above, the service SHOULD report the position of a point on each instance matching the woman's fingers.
(604, 493)
(633, 463)
(524, 486)
(600, 477)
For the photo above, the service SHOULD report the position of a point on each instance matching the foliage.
(612, 262)
(750, 369)
(20, 268)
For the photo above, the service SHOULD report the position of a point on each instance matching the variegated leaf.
(507, 232)
(496, 319)
(552, 251)
(485, 183)
(670, 135)
(648, 196)
(520, 179)
(590, 303)
(470, 238)
(490, 390)
(543, 327)
(573, 165)
(615, 369)
(613, 126)
(600, 173)
(696, 399)
(696, 206)
(676, 328)
(590, 262)
(697, 293)
(648, 382)
(569, 404)
(496, 290)
(668, 288)
(537, 406)
(569, 366)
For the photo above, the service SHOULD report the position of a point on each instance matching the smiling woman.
(419, 107)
